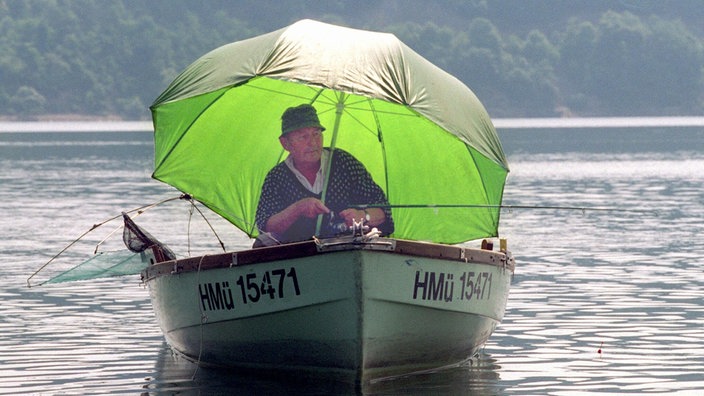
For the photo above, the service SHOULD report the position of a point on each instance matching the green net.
(104, 265)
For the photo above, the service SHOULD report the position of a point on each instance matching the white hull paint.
(373, 309)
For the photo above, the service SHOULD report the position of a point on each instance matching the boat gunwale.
(502, 259)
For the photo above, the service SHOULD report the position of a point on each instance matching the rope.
(188, 228)
(208, 223)
(203, 319)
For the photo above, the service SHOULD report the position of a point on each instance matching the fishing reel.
(358, 228)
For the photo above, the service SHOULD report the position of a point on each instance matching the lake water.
(603, 302)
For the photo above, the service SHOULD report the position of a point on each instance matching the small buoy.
(600, 346)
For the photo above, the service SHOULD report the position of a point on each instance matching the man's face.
(305, 145)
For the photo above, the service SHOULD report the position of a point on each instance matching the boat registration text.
(249, 289)
(441, 286)
(282, 283)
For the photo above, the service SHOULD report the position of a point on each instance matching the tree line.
(113, 58)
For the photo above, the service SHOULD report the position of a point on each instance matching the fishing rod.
(583, 209)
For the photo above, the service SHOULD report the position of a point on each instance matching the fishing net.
(138, 240)
(103, 265)
(122, 262)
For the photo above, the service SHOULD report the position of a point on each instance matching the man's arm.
(307, 207)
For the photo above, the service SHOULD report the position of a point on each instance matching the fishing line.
(188, 228)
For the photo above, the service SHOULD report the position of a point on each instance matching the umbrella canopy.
(422, 134)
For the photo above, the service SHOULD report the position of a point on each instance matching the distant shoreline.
(599, 122)
(108, 125)
(75, 126)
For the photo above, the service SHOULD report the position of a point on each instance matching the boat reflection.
(173, 373)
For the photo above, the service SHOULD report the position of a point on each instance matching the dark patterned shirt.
(350, 184)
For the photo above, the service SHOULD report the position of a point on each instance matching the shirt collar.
(317, 187)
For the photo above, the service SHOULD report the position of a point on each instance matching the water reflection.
(176, 374)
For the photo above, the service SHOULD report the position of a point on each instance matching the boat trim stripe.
(312, 248)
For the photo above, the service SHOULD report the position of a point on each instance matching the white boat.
(369, 308)
(360, 304)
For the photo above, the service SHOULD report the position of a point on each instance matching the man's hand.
(352, 214)
(307, 207)
(376, 216)
(310, 207)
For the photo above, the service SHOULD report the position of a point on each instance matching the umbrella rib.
(380, 137)
(277, 92)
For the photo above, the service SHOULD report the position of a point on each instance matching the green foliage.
(624, 62)
(112, 58)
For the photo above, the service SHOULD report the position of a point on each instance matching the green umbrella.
(422, 134)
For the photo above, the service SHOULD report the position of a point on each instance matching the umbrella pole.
(326, 171)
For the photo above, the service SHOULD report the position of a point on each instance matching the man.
(291, 196)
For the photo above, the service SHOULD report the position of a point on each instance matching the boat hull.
(374, 309)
